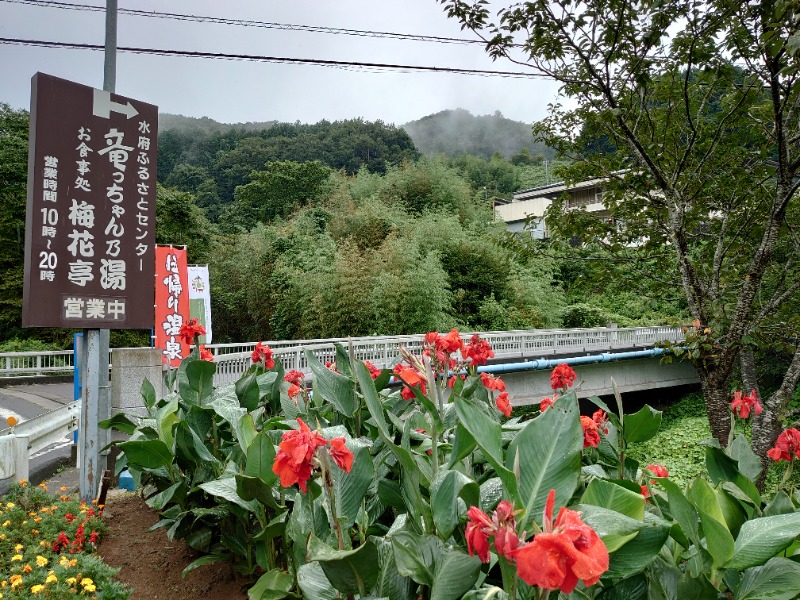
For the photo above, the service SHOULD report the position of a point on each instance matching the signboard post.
(90, 227)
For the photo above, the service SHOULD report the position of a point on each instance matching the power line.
(250, 23)
(341, 64)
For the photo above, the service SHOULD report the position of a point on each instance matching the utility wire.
(249, 23)
(278, 59)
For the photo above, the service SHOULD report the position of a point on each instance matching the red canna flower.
(562, 377)
(294, 376)
(657, 470)
(294, 389)
(374, 371)
(563, 553)
(503, 404)
(787, 446)
(206, 354)
(742, 405)
(293, 463)
(505, 529)
(590, 435)
(450, 343)
(477, 351)
(341, 455)
(263, 354)
(189, 331)
(477, 538)
(547, 403)
(490, 382)
(601, 420)
(645, 491)
(411, 377)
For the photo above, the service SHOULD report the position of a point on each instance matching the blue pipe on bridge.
(542, 363)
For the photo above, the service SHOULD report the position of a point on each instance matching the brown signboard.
(91, 210)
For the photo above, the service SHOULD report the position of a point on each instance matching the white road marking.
(53, 447)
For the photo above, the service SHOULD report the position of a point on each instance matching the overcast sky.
(235, 91)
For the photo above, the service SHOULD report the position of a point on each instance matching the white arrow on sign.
(103, 106)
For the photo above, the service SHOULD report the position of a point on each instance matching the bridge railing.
(383, 350)
(233, 359)
(20, 364)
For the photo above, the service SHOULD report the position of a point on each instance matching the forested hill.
(455, 132)
(201, 158)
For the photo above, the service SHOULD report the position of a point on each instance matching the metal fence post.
(21, 457)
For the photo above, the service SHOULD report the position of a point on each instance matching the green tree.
(275, 192)
(13, 185)
(181, 223)
(710, 152)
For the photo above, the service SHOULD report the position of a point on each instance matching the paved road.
(27, 401)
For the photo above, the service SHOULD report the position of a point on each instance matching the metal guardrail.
(383, 350)
(233, 359)
(33, 435)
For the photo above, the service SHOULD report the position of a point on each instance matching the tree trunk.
(747, 363)
(766, 428)
(769, 424)
(715, 392)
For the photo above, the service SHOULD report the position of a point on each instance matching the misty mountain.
(455, 132)
(207, 125)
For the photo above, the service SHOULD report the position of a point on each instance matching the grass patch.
(678, 445)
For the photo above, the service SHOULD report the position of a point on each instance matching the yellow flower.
(32, 514)
(16, 557)
(6, 523)
(3, 583)
(10, 505)
(27, 569)
(71, 581)
(37, 520)
(73, 562)
(37, 589)
(22, 482)
(41, 561)
(89, 588)
(43, 544)
(2, 536)
(16, 581)
(43, 485)
(34, 532)
(54, 507)
(24, 522)
(64, 562)
(18, 548)
(86, 581)
(63, 488)
(51, 578)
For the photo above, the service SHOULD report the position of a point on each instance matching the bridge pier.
(529, 387)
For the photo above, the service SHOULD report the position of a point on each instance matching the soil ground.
(151, 565)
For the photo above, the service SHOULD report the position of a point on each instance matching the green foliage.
(231, 154)
(13, 185)
(424, 473)
(583, 315)
(275, 192)
(180, 222)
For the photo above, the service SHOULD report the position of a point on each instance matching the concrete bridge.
(526, 357)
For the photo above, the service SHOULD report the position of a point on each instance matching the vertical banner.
(200, 299)
(172, 303)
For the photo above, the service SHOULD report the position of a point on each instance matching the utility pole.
(95, 393)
